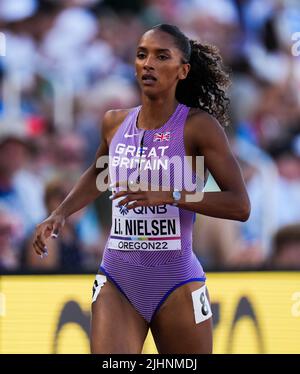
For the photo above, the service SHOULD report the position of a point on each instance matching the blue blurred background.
(64, 63)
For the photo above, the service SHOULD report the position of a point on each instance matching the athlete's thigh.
(116, 327)
(175, 328)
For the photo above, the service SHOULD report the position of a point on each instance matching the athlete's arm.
(232, 202)
(206, 136)
(83, 192)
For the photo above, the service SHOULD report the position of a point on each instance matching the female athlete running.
(149, 276)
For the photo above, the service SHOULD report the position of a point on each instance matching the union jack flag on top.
(161, 136)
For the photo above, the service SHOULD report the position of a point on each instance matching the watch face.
(176, 195)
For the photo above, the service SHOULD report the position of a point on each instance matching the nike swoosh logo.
(130, 135)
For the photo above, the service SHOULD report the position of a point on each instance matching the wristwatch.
(176, 197)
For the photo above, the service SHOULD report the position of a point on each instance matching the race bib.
(153, 228)
(202, 309)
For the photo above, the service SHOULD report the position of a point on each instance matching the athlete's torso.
(158, 234)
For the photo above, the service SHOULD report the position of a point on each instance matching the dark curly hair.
(207, 80)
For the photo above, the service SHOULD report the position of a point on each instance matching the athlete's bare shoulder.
(202, 128)
(112, 120)
(201, 119)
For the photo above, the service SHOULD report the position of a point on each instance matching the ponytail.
(207, 80)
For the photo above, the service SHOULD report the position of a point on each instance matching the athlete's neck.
(154, 113)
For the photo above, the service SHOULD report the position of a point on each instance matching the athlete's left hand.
(137, 195)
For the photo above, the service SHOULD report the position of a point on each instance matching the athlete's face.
(159, 63)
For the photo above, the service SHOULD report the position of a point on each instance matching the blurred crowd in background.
(67, 62)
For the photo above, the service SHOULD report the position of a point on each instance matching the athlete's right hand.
(51, 226)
